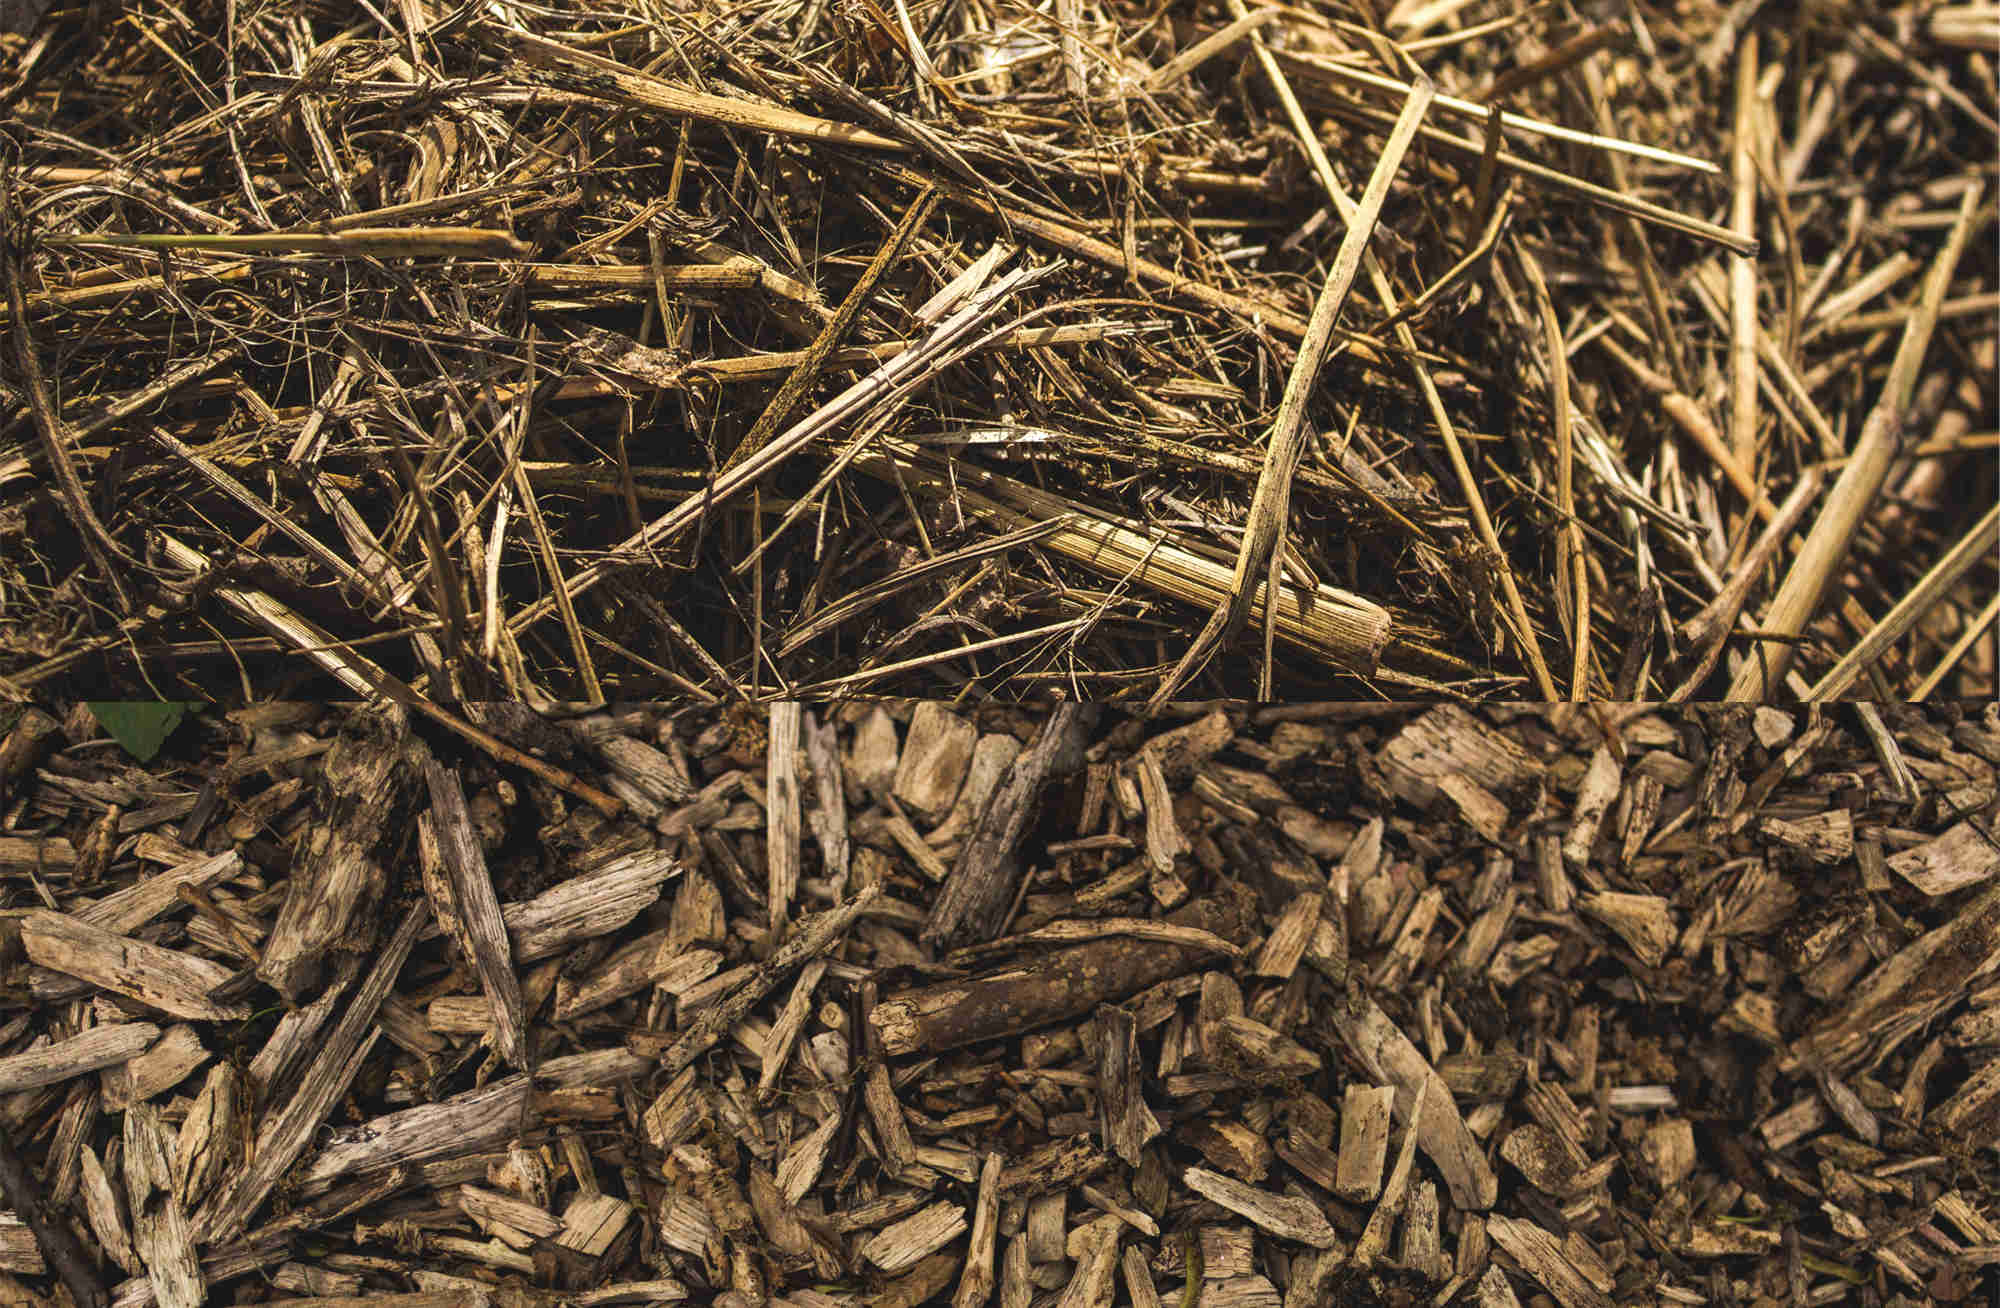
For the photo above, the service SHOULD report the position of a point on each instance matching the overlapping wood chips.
(1634, 350)
(887, 1005)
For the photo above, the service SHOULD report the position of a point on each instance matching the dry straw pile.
(923, 346)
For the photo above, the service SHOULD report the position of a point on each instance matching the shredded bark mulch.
(891, 1005)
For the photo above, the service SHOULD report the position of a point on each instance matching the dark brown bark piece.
(978, 895)
(1066, 984)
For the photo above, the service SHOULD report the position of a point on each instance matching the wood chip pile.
(586, 351)
(888, 1005)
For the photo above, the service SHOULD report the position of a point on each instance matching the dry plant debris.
(796, 349)
(894, 1004)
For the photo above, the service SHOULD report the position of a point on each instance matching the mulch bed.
(800, 348)
(887, 1005)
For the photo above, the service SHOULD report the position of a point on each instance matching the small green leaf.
(140, 726)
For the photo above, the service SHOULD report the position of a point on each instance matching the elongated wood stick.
(1570, 561)
(1975, 545)
(1973, 630)
(1270, 506)
(1860, 483)
(1406, 340)
(1743, 268)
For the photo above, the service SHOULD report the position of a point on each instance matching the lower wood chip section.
(1282, 1006)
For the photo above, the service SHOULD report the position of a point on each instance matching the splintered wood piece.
(828, 814)
(675, 1113)
(587, 906)
(1017, 1285)
(1138, 1277)
(1226, 1251)
(1180, 751)
(1125, 1213)
(1593, 800)
(161, 978)
(1056, 1166)
(914, 1288)
(1825, 838)
(908, 839)
(872, 753)
(160, 1232)
(1641, 921)
(1551, 1164)
(1374, 1239)
(1407, 947)
(126, 910)
(358, 795)
(975, 1283)
(1364, 1141)
(1165, 845)
(211, 1136)
(1262, 1050)
(99, 1047)
(654, 959)
(892, 1131)
(1057, 987)
(472, 1122)
(1963, 856)
(815, 936)
(1971, 1116)
(22, 855)
(1541, 1256)
(1388, 1057)
(1233, 1147)
(1287, 942)
(785, 1030)
(168, 1062)
(1045, 1227)
(592, 1222)
(459, 1015)
(1241, 1292)
(298, 1032)
(1667, 1150)
(1493, 1290)
(799, 1170)
(529, 1219)
(1284, 1216)
(462, 897)
(105, 1210)
(980, 891)
(780, 1223)
(782, 811)
(18, 1250)
(1124, 1120)
(1090, 1286)
(1449, 755)
(994, 753)
(1421, 1251)
(937, 752)
(1909, 988)
(654, 773)
(916, 1237)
